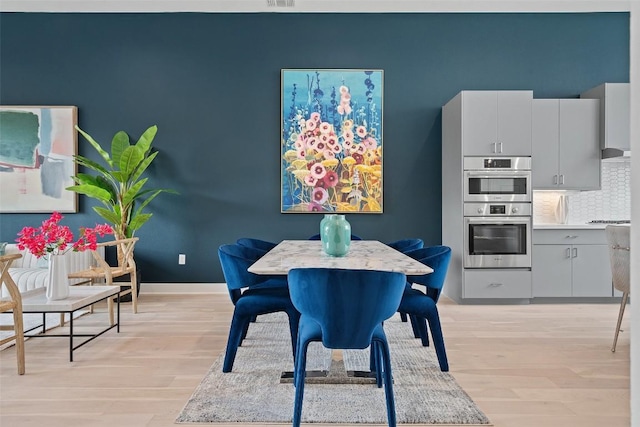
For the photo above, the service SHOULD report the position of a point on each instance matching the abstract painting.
(37, 144)
(331, 142)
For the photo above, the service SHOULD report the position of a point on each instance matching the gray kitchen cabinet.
(496, 122)
(570, 263)
(497, 283)
(565, 144)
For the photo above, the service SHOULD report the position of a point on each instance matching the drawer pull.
(495, 285)
(622, 248)
(571, 236)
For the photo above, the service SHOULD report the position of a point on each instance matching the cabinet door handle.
(499, 147)
(575, 252)
(495, 285)
(555, 179)
(562, 179)
(568, 251)
(495, 148)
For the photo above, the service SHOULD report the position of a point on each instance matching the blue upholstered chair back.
(250, 242)
(235, 260)
(317, 237)
(347, 304)
(405, 245)
(436, 257)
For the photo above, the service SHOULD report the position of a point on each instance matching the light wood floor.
(525, 366)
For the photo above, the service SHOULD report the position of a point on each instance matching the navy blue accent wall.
(211, 82)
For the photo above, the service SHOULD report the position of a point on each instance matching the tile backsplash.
(611, 202)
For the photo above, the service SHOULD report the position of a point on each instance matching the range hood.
(615, 102)
(615, 153)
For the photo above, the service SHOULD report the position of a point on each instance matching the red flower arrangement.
(53, 238)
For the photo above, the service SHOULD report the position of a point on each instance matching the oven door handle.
(498, 221)
(498, 174)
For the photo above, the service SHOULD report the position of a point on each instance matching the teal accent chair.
(252, 296)
(344, 309)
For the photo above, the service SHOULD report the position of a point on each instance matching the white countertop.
(569, 226)
(362, 255)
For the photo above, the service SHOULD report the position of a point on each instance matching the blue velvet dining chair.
(251, 295)
(254, 243)
(406, 245)
(317, 237)
(344, 309)
(423, 304)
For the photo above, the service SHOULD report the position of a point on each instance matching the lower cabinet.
(567, 269)
(496, 283)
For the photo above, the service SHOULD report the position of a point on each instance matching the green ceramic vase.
(335, 234)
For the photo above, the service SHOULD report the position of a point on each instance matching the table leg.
(71, 337)
(118, 327)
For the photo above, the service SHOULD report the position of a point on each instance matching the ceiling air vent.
(280, 3)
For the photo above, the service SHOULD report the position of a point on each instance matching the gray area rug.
(253, 392)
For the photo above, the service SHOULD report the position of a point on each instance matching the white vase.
(58, 285)
(562, 209)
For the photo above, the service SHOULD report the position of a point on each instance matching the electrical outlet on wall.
(182, 259)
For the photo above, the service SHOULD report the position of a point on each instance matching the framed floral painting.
(37, 145)
(331, 144)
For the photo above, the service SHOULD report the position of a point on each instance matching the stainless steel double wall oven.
(497, 212)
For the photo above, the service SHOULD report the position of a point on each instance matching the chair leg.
(110, 304)
(438, 340)
(244, 333)
(415, 325)
(294, 321)
(134, 292)
(385, 356)
(403, 317)
(375, 362)
(298, 380)
(423, 333)
(623, 303)
(19, 338)
(238, 323)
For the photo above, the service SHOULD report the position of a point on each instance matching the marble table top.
(362, 255)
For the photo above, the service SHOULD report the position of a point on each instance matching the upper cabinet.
(615, 107)
(565, 147)
(496, 122)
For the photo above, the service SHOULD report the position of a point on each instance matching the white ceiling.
(309, 6)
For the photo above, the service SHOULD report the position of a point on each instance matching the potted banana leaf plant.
(118, 183)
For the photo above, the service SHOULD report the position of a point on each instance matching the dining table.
(362, 255)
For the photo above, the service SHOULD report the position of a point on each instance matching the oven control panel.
(497, 209)
(497, 163)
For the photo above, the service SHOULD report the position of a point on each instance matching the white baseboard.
(183, 288)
